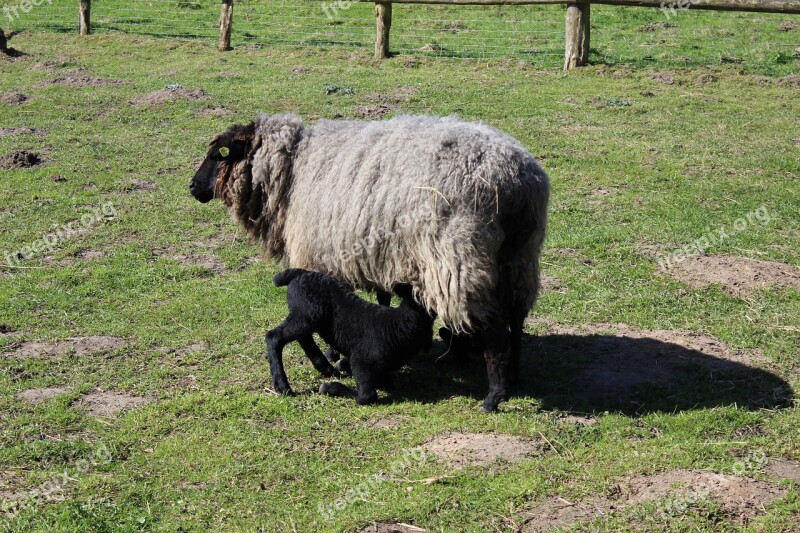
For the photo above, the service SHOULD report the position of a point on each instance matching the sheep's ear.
(235, 151)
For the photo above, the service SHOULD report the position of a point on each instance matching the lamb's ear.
(403, 290)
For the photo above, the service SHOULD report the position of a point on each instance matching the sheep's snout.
(202, 186)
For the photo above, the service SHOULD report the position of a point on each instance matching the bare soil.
(20, 159)
(399, 95)
(202, 260)
(372, 111)
(479, 449)
(385, 527)
(170, 95)
(5, 132)
(102, 403)
(13, 98)
(140, 185)
(80, 346)
(664, 77)
(37, 396)
(600, 367)
(738, 276)
(218, 111)
(741, 498)
(783, 469)
(792, 81)
(390, 422)
(79, 78)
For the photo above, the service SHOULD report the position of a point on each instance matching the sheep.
(378, 339)
(456, 209)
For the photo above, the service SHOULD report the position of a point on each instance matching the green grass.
(215, 450)
(643, 37)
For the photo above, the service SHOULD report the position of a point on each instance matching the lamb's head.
(226, 152)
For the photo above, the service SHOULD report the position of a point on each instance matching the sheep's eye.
(224, 151)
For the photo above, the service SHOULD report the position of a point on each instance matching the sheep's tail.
(284, 278)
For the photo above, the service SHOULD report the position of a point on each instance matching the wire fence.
(764, 42)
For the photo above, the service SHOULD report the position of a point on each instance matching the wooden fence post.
(84, 17)
(577, 43)
(383, 14)
(225, 21)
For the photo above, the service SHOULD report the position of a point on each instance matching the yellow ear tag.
(224, 151)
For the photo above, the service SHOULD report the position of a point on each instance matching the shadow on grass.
(597, 373)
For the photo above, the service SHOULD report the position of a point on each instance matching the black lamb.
(378, 339)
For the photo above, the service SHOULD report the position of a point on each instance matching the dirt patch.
(390, 422)
(618, 367)
(5, 132)
(386, 527)
(655, 26)
(170, 94)
(664, 77)
(139, 185)
(738, 276)
(789, 25)
(5, 329)
(784, 469)
(372, 112)
(579, 420)
(52, 64)
(14, 98)
(20, 159)
(207, 261)
(79, 78)
(479, 449)
(741, 499)
(101, 403)
(37, 396)
(705, 79)
(218, 111)
(399, 95)
(791, 81)
(552, 284)
(11, 485)
(78, 346)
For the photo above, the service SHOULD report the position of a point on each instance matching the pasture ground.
(133, 383)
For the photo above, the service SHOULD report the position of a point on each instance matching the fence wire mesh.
(533, 33)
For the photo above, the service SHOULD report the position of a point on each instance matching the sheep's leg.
(315, 356)
(287, 331)
(460, 345)
(495, 351)
(517, 325)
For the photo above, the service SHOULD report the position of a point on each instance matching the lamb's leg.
(334, 388)
(384, 298)
(332, 355)
(460, 345)
(287, 331)
(495, 350)
(314, 355)
(365, 384)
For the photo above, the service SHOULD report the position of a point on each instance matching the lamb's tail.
(284, 278)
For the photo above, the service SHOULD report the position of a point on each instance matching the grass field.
(133, 383)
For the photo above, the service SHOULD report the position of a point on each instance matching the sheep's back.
(424, 200)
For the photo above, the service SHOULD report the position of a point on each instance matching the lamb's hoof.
(330, 372)
(331, 355)
(343, 366)
(334, 388)
(283, 389)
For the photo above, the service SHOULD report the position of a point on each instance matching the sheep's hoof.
(284, 390)
(330, 372)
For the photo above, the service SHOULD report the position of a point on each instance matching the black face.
(227, 147)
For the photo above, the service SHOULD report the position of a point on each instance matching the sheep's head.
(215, 174)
